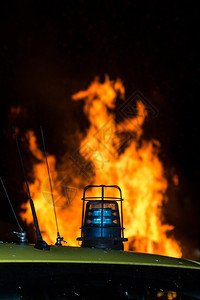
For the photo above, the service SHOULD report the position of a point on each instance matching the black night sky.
(50, 50)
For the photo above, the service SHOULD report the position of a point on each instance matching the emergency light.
(102, 223)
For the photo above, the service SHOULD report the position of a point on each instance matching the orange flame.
(117, 155)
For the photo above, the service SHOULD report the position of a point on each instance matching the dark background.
(51, 50)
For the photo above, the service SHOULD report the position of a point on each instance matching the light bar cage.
(102, 222)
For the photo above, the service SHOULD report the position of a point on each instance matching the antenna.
(40, 243)
(59, 239)
(22, 234)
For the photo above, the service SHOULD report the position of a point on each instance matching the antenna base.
(59, 240)
(22, 240)
(42, 245)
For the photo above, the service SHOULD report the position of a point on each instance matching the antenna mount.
(59, 239)
(22, 240)
(40, 243)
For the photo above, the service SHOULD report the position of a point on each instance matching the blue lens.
(106, 212)
(96, 217)
(97, 221)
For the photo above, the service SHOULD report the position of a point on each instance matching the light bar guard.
(102, 198)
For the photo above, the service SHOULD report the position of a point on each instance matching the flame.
(41, 193)
(112, 152)
(170, 294)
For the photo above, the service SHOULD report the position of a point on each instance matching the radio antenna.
(40, 243)
(59, 239)
(21, 234)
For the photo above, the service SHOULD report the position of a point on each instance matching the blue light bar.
(97, 221)
(96, 217)
(98, 212)
(101, 224)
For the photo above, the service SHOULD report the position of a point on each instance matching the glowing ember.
(118, 155)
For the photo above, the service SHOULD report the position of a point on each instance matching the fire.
(41, 193)
(112, 152)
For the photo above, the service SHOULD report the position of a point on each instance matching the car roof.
(13, 253)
